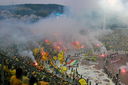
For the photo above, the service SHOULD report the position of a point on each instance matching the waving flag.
(72, 62)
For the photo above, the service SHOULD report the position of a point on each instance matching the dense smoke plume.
(82, 21)
(29, 54)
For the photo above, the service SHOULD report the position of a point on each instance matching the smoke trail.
(29, 54)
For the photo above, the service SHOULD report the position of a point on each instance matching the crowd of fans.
(19, 70)
(16, 73)
(114, 76)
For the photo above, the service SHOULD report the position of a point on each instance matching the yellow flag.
(55, 58)
(35, 51)
(82, 81)
(13, 72)
(63, 68)
(44, 58)
(61, 55)
(51, 63)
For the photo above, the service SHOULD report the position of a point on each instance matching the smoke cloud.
(82, 21)
(29, 54)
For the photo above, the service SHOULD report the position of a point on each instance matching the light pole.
(104, 20)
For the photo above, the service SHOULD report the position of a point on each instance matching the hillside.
(32, 12)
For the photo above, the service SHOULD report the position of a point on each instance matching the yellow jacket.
(15, 81)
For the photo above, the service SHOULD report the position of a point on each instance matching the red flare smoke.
(123, 70)
(103, 55)
(98, 45)
(46, 41)
(82, 46)
(35, 63)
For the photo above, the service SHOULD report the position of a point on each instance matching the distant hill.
(30, 11)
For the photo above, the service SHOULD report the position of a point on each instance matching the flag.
(63, 68)
(35, 51)
(61, 56)
(83, 82)
(44, 58)
(55, 57)
(72, 62)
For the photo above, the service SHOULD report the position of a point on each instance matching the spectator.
(96, 83)
(32, 81)
(25, 79)
(44, 82)
(16, 79)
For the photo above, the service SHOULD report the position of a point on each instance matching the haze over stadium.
(82, 24)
